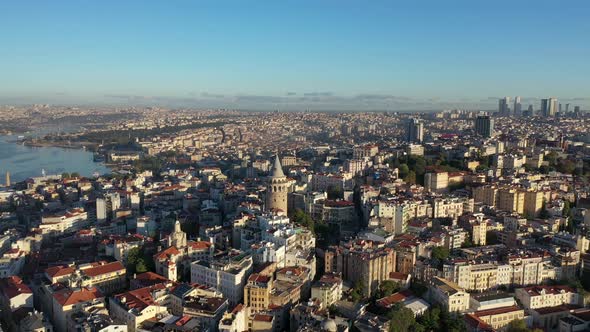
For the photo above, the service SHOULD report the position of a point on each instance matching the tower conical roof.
(277, 169)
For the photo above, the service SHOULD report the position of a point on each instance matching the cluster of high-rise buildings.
(549, 107)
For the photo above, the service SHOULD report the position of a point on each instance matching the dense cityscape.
(232, 221)
(295, 166)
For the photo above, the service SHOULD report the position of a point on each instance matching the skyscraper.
(517, 106)
(503, 108)
(545, 107)
(415, 131)
(7, 178)
(552, 106)
(549, 107)
(484, 126)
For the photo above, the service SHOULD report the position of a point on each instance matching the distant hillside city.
(233, 221)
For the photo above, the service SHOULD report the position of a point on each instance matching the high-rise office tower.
(576, 109)
(503, 107)
(549, 107)
(415, 131)
(7, 178)
(553, 104)
(517, 106)
(567, 107)
(484, 126)
(545, 107)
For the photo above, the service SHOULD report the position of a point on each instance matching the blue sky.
(295, 54)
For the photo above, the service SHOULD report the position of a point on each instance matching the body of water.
(24, 162)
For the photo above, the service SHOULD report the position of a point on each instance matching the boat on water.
(98, 157)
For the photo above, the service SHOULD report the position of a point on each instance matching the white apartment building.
(483, 276)
(228, 275)
(449, 295)
(546, 296)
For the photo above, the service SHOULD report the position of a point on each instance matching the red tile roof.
(199, 244)
(388, 301)
(59, 271)
(139, 298)
(104, 269)
(477, 324)
(496, 311)
(150, 276)
(263, 318)
(167, 253)
(536, 290)
(67, 296)
(559, 308)
(398, 276)
(13, 286)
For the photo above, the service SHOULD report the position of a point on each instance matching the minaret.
(276, 188)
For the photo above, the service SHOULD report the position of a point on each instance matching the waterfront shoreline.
(29, 159)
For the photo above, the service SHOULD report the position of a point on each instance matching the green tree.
(133, 257)
(141, 266)
(65, 175)
(517, 325)
(410, 178)
(357, 292)
(303, 219)
(138, 261)
(75, 175)
(440, 253)
(402, 319)
(403, 171)
(321, 229)
(452, 322)
(148, 163)
(431, 319)
(387, 287)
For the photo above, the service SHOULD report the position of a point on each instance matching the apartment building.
(257, 292)
(108, 277)
(136, 306)
(496, 319)
(535, 297)
(449, 295)
(228, 274)
(328, 289)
